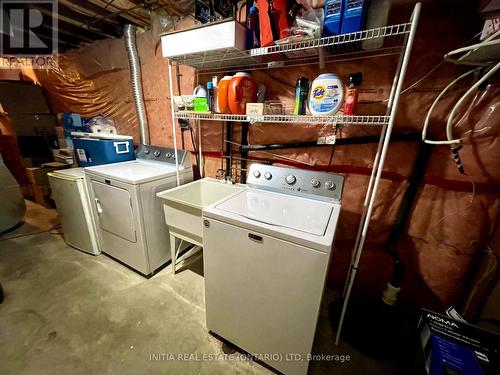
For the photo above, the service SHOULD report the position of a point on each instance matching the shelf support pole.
(172, 108)
(383, 153)
(375, 169)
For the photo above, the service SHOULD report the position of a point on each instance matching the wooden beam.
(126, 13)
(63, 19)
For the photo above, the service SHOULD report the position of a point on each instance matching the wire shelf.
(288, 119)
(387, 40)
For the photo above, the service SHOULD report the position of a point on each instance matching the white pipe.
(172, 109)
(404, 66)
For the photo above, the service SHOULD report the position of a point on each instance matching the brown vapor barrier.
(448, 227)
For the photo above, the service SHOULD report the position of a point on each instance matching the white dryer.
(266, 257)
(130, 221)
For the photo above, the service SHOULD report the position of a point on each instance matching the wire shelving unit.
(394, 40)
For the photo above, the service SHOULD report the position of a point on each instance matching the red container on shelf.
(273, 21)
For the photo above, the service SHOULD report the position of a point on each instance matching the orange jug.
(222, 92)
(242, 90)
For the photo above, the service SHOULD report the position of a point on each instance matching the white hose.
(451, 117)
(429, 113)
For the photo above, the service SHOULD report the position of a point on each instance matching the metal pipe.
(229, 148)
(404, 137)
(172, 110)
(244, 152)
(135, 78)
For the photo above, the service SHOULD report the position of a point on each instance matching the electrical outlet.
(183, 123)
(321, 140)
(330, 140)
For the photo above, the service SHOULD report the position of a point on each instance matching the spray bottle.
(351, 95)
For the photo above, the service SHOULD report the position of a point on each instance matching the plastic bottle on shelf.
(301, 91)
(326, 95)
(253, 31)
(215, 86)
(200, 98)
(222, 95)
(210, 97)
(351, 95)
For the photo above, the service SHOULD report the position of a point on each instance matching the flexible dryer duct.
(135, 78)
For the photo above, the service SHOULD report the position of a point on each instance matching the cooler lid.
(101, 136)
(280, 210)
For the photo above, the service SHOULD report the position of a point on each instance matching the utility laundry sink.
(182, 208)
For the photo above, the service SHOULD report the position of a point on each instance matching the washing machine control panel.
(163, 154)
(296, 181)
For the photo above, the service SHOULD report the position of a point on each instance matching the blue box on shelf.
(353, 15)
(333, 17)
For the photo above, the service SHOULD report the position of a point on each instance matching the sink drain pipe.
(135, 77)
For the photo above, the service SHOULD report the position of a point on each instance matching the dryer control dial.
(256, 174)
(290, 179)
(268, 175)
(315, 182)
(330, 185)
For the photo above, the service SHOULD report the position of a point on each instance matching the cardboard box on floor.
(41, 195)
(37, 176)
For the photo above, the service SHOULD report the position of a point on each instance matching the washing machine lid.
(133, 172)
(69, 174)
(280, 210)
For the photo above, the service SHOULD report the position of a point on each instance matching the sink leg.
(173, 252)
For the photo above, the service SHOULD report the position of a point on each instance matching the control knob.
(146, 151)
(268, 175)
(168, 155)
(290, 179)
(256, 174)
(315, 182)
(330, 185)
(156, 153)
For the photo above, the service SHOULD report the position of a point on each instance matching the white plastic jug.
(326, 95)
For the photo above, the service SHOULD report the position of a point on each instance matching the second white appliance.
(266, 255)
(130, 220)
(70, 192)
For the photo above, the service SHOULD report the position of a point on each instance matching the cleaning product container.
(242, 90)
(222, 95)
(326, 95)
(96, 149)
(200, 98)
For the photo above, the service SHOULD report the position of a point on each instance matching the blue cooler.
(96, 149)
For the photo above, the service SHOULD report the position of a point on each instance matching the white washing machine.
(71, 194)
(266, 257)
(130, 221)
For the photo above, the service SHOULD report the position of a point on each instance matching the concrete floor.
(69, 312)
